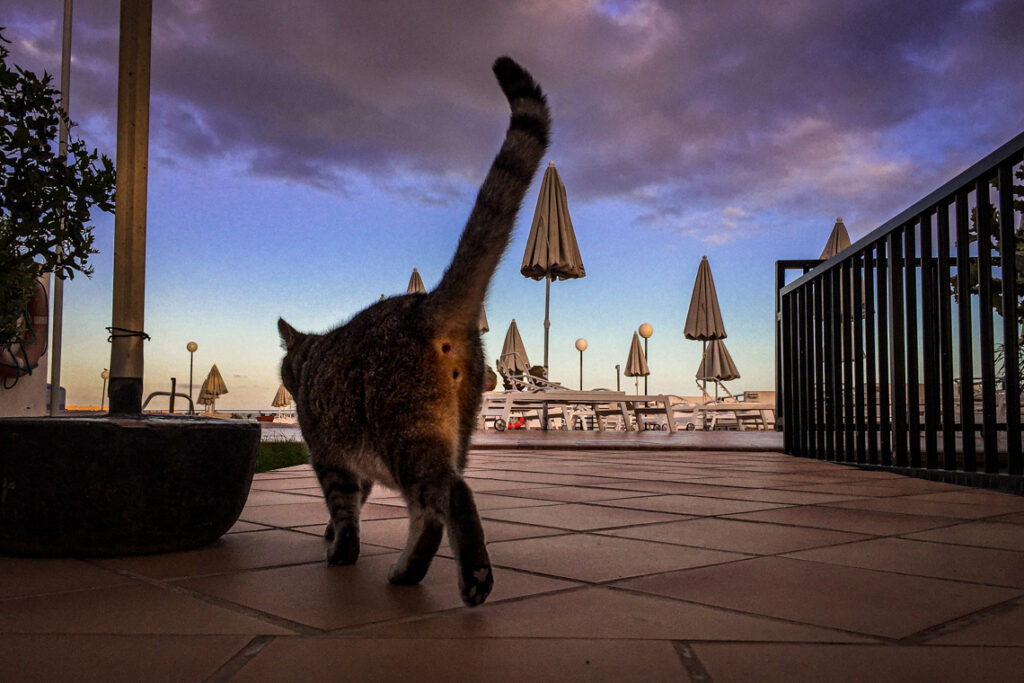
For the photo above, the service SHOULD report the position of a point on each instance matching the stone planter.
(92, 486)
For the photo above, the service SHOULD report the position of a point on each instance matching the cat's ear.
(290, 337)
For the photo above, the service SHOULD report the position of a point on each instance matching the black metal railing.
(903, 351)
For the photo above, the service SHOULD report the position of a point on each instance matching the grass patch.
(274, 455)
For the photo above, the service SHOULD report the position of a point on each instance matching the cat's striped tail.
(460, 295)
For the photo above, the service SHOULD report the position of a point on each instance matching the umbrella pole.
(703, 360)
(547, 321)
(547, 326)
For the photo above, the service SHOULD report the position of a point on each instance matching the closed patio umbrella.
(213, 387)
(513, 352)
(551, 249)
(281, 399)
(206, 398)
(837, 241)
(704, 318)
(636, 363)
(415, 284)
(717, 365)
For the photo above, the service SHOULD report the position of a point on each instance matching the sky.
(306, 156)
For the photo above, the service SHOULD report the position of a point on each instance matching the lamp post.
(581, 346)
(191, 347)
(646, 331)
(105, 374)
(618, 378)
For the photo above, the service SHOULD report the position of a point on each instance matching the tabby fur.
(392, 395)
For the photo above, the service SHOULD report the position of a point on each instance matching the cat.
(392, 396)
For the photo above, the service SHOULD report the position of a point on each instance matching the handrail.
(943, 194)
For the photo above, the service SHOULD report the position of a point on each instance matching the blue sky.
(305, 156)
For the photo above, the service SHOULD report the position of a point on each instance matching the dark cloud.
(687, 109)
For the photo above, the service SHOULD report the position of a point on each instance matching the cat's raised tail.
(460, 295)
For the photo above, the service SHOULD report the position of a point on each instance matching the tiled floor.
(616, 563)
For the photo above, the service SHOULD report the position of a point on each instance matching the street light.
(191, 347)
(105, 375)
(618, 378)
(581, 346)
(646, 331)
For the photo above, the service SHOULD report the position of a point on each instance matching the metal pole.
(645, 358)
(547, 325)
(547, 321)
(58, 282)
(703, 364)
(174, 388)
(581, 370)
(126, 352)
(191, 348)
(618, 378)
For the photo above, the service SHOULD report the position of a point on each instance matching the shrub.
(273, 455)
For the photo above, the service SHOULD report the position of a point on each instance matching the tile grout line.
(237, 661)
(272, 619)
(873, 638)
(982, 615)
(694, 668)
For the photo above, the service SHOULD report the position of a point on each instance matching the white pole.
(58, 282)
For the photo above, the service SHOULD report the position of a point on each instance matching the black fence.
(903, 351)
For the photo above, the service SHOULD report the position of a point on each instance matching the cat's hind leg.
(466, 538)
(343, 493)
(366, 487)
(437, 495)
(427, 501)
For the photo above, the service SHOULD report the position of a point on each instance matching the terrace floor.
(647, 561)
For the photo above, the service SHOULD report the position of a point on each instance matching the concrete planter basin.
(94, 486)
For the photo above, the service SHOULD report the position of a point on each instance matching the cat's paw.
(476, 585)
(400, 575)
(344, 549)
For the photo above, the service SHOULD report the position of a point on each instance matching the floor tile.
(30, 576)
(648, 486)
(605, 613)
(800, 663)
(242, 526)
(336, 597)
(578, 517)
(232, 552)
(284, 484)
(475, 660)
(960, 563)
(982, 534)
(976, 497)
(313, 512)
(258, 498)
(861, 600)
(765, 495)
(755, 538)
(493, 501)
(575, 494)
(1001, 627)
(842, 519)
(114, 658)
(392, 533)
(692, 505)
(913, 505)
(590, 557)
(130, 609)
(1016, 518)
